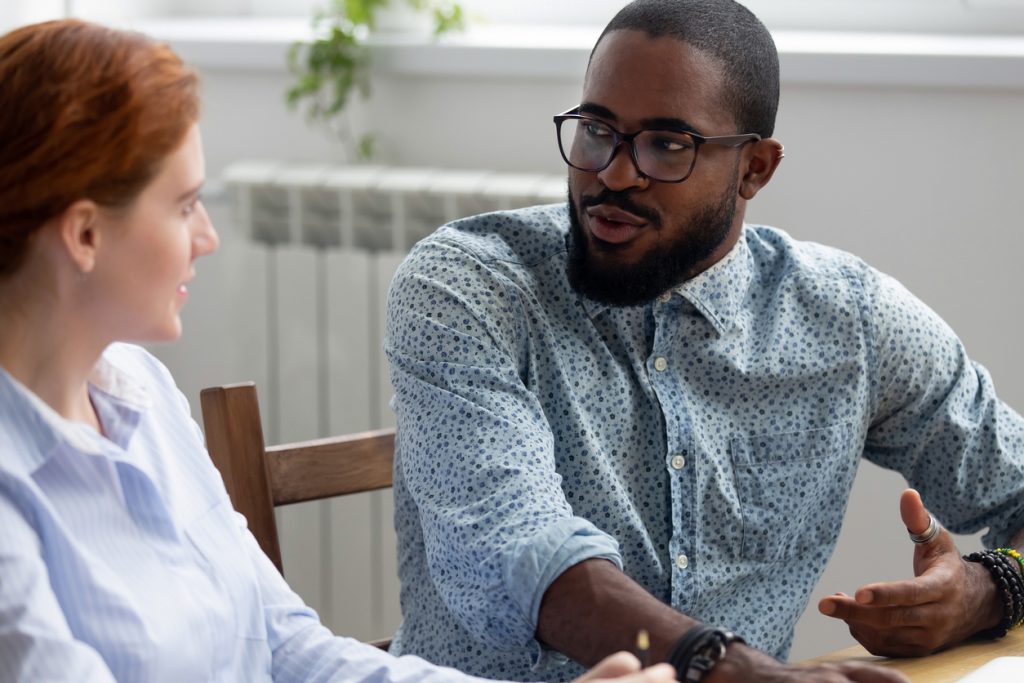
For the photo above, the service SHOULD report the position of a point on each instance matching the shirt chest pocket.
(792, 489)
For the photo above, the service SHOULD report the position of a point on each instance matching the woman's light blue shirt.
(122, 559)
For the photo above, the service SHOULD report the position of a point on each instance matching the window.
(913, 16)
(928, 16)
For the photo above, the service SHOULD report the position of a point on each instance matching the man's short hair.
(730, 33)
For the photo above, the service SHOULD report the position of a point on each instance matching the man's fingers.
(921, 590)
(912, 510)
(903, 642)
(861, 673)
(887, 619)
(840, 606)
(852, 671)
(835, 605)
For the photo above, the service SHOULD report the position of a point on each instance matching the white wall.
(924, 183)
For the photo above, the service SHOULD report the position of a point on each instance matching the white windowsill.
(850, 58)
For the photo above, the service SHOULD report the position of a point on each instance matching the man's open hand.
(947, 601)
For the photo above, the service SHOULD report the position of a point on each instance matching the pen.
(643, 646)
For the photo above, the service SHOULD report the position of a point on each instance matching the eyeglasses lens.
(589, 145)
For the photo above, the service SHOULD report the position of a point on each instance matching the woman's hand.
(625, 668)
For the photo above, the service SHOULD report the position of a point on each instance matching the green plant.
(337, 61)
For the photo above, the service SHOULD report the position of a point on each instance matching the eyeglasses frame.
(618, 138)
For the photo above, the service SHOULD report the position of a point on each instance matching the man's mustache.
(622, 201)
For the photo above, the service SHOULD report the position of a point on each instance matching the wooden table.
(944, 667)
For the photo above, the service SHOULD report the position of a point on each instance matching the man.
(635, 412)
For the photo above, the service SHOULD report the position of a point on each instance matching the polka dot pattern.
(706, 441)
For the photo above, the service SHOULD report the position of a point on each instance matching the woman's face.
(148, 249)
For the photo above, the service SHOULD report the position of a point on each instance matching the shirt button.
(665, 298)
(660, 364)
(677, 462)
(682, 562)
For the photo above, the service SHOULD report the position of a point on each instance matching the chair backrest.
(258, 477)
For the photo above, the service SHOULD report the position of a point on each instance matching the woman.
(120, 556)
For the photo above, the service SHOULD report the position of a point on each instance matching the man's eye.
(596, 130)
(665, 143)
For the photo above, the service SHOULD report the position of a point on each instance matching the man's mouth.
(613, 225)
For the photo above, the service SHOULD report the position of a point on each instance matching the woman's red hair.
(86, 112)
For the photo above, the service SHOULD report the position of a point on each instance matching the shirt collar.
(717, 293)
(40, 430)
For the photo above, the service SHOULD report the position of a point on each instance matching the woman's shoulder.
(131, 364)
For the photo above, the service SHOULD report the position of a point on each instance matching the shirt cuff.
(1000, 538)
(537, 561)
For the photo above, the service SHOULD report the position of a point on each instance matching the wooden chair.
(258, 477)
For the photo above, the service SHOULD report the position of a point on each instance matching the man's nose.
(622, 172)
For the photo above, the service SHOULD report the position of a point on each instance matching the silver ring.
(931, 532)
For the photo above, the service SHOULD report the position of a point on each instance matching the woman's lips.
(183, 287)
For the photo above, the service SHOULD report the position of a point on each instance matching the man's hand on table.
(946, 602)
(743, 664)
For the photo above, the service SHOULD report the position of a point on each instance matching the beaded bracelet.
(1011, 554)
(1015, 555)
(1017, 579)
(1016, 582)
(1010, 584)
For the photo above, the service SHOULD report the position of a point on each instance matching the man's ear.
(77, 228)
(762, 158)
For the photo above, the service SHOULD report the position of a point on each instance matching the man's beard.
(673, 260)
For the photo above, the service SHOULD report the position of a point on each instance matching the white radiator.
(329, 240)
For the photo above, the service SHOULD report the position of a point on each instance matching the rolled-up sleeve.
(475, 450)
(938, 419)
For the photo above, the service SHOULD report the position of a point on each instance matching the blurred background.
(902, 126)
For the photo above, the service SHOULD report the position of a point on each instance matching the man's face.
(633, 238)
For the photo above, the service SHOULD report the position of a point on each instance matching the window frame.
(995, 17)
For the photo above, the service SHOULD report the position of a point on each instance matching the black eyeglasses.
(668, 156)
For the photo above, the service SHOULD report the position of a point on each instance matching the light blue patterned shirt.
(705, 442)
(122, 559)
